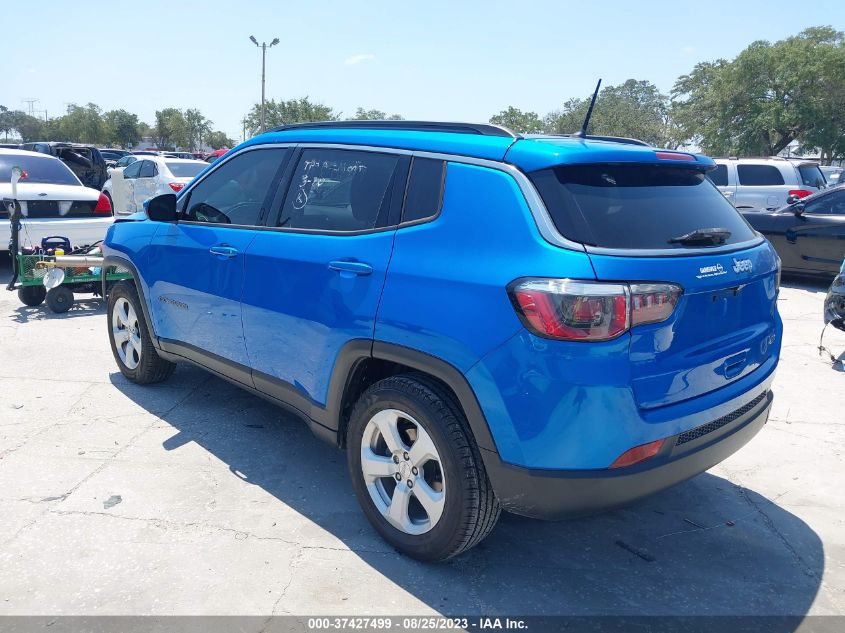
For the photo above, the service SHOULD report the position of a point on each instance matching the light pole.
(263, 46)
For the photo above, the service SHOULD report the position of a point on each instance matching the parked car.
(111, 156)
(834, 303)
(127, 188)
(808, 235)
(125, 161)
(213, 156)
(55, 203)
(552, 326)
(84, 160)
(185, 155)
(10, 146)
(765, 183)
(833, 175)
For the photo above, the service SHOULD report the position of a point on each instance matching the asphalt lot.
(194, 497)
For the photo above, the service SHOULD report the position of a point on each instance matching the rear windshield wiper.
(702, 237)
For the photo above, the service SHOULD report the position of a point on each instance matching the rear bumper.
(556, 494)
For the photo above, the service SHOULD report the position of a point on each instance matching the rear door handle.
(350, 269)
(223, 251)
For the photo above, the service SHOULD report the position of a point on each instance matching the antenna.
(582, 133)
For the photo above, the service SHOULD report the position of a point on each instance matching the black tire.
(470, 508)
(32, 295)
(59, 299)
(151, 367)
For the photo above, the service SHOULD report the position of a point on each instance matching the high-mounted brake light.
(103, 205)
(590, 311)
(674, 156)
(177, 186)
(798, 193)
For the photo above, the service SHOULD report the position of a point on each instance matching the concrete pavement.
(194, 497)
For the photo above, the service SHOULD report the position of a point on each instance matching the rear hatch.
(668, 224)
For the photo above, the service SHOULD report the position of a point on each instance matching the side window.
(425, 189)
(719, 176)
(759, 175)
(148, 169)
(830, 204)
(133, 170)
(236, 192)
(339, 190)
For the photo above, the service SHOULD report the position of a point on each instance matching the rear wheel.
(59, 299)
(130, 339)
(32, 295)
(416, 470)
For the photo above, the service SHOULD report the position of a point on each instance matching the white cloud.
(357, 59)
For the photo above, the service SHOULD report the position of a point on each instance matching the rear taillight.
(799, 193)
(638, 454)
(590, 311)
(177, 186)
(103, 205)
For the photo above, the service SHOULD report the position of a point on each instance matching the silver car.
(766, 183)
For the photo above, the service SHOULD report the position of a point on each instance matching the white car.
(54, 201)
(766, 183)
(146, 178)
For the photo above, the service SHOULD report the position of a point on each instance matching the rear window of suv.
(635, 206)
(812, 176)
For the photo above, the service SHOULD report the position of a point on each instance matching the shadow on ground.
(704, 547)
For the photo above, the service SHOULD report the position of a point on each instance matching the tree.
(29, 128)
(374, 115)
(196, 127)
(81, 124)
(292, 111)
(518, 121)
(219, 140)
(767, 97)
(169, 128)
(633, 109)
(121, 128)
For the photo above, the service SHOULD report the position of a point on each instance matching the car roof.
(527, 153)
(25, 152)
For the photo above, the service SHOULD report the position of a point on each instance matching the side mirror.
(162, 208)
(798, 209)
(792, 199)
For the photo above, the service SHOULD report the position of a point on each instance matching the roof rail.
(594, 137)
(483, 129)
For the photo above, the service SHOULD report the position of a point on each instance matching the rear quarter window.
(719, 176)
(811, 176)
(759, 175)
(635, 206)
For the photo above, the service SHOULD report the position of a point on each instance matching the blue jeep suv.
(547, 325)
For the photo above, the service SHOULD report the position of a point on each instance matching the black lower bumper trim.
(557, 494)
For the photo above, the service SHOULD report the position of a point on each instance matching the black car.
(809, 234)
(834, 303)
(111, 156)
(84, 160)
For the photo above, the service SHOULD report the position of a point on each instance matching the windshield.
(38, 169)
(635, 206)
(185, 170)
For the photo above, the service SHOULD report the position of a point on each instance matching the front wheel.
(416, 470)
(32, 296)
(130, 340)
(59, 299)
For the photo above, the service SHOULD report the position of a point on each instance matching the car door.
(124, 188)
(145, 184)
(759, 186)
(313, 278)
(818, 233)
(195, 266)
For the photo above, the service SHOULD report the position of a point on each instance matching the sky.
(437, 60)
